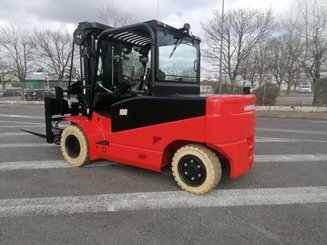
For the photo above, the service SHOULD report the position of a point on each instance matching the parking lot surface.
(282, 200)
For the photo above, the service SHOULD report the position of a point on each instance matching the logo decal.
(248, 107)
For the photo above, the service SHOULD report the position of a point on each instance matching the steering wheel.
(125, 84)
(127, 80)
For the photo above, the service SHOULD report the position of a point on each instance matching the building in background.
(41, 80)
(37, 80)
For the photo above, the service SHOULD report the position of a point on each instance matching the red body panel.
(231, 131)
(228, 128)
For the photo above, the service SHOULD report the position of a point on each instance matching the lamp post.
(221, 45)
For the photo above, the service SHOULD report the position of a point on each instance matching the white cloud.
(275, 5)
(67, 13)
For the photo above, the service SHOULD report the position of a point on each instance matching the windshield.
(178, 58)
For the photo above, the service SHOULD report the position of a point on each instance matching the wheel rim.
(72, 146)
(192, 170)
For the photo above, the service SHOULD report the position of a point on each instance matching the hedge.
(266, 95)
(228, 89)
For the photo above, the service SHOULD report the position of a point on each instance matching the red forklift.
(138, 102)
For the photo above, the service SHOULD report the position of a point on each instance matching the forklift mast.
(85, 36)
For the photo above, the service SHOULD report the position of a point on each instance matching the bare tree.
(248, 70)
(243, 30)
(114, 16)
(17, 48)
(291, 47)
(5, 74)
(262, 60)
(310, 27)
(53, 50)
(278, 60)
(257, 66)
(2, 73)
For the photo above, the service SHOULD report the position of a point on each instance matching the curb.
(292, 108)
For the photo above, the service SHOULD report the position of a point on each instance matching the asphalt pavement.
(282, 200)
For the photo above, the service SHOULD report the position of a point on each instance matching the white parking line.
(281, 130)
(290, 158)
(16, 122)
(23, 126)
(322, 121)
(25, 145)
(29, 165)
(160, 200)
(285, 140)
(33, 165)
(21, 116)
(13, 134)
(272, 140)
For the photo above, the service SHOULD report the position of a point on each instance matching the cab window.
(178, 58)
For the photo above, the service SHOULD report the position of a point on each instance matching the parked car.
(305, 88)
(37, 94)
(11, 92)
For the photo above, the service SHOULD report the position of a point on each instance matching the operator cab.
(144, 59)
(149, 58)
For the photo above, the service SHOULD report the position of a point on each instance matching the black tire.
(74, 146)
(196, 169)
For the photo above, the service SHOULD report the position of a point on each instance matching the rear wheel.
(196, 168)
(74, 146)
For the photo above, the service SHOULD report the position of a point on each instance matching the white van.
(305, 88)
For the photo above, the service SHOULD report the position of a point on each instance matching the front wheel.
(74, 146)
(196, 169)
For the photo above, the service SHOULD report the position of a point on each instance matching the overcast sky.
(67, 13)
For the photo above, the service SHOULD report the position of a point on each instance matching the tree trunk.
(288, 90)
(279, 86)
(290, 79)
(22, 85)
(315, 92)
